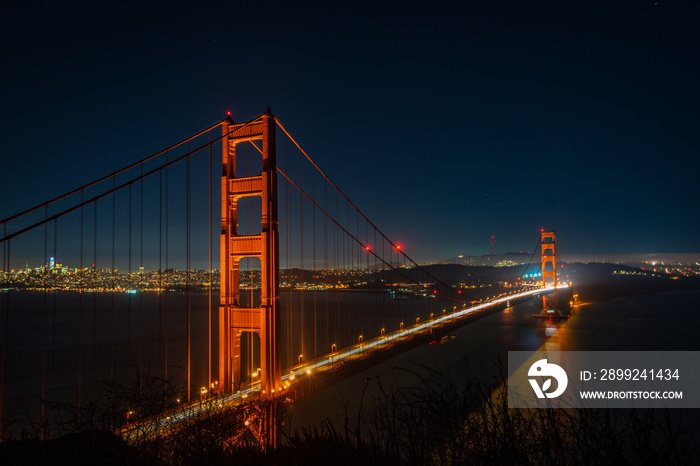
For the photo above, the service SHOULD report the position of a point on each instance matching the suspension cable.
(111, 175)
(355, 207)
(117, 188)
(534, 251)
(346, 231)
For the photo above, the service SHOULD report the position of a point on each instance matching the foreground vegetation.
(446, 421)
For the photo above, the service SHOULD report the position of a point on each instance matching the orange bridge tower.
(234, 318)
(549, 272)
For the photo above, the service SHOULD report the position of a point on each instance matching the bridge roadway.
(306, 411)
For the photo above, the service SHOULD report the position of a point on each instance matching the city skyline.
(499, 260)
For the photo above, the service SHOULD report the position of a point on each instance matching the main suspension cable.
(83, 203)
(106, 177)
(358, 210)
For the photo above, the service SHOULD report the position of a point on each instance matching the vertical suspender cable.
(325, 258)
(113, 276)
(358, 274)
(94, 305)
(381, 282)
(141, 269)
(167, 274)
(187, 275)
(5, 335)
(313, 222)
(355, 265)
(128, 295)
(43, 330)
(366, 275)
(160, 269)
(407, 304)
(301, 254)
(349, 337)
(80, 320)
(336, 266)
(288, 258)
(209, 270)
(376, 280)
(53, 331)
(248, 171)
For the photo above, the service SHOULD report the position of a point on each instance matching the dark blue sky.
(444, 124)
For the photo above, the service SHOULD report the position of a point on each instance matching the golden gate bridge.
(303, 281)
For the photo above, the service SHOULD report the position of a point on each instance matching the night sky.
(445, 124)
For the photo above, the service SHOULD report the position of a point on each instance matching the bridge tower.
(235, 319)
(549, 271)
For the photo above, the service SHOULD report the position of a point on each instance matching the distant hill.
(456, 274)
(495, 260)
(518, 258)
(636, 260)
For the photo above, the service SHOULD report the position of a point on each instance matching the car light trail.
(297, 373)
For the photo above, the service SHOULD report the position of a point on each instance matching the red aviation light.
(398, 247)
(367, 248)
